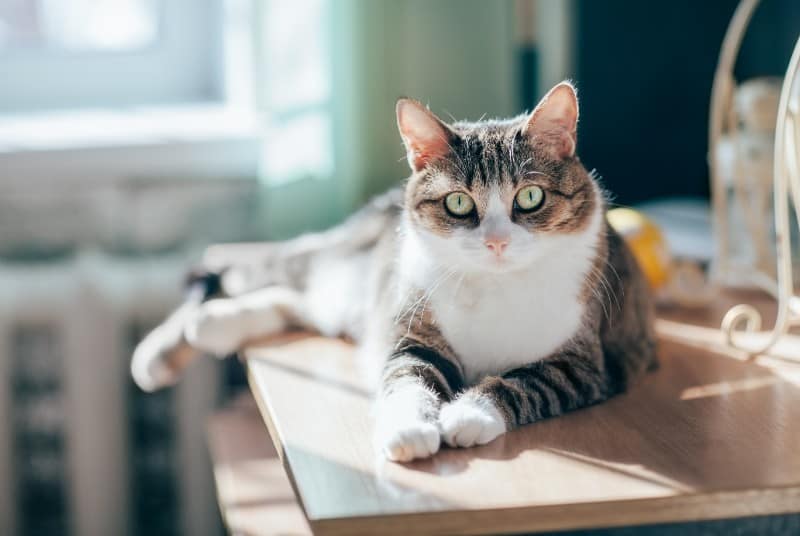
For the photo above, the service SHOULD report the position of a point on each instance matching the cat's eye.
(459, 204)
(529, 198)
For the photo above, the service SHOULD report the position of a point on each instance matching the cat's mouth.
(499, 264)
(494, 260)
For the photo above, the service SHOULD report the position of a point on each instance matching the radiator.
(82, 450)
(85, 452)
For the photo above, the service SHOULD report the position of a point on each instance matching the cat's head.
(498, 195)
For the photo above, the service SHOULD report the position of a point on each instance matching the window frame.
(148, 142)
(183, 64)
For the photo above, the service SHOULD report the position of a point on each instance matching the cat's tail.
(161, 356)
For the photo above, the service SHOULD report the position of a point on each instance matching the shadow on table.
(704, 420)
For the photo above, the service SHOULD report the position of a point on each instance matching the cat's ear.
(425, 136)
(553, 124)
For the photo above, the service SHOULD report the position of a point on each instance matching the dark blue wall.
(644, 71)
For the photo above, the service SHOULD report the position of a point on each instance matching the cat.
(491, 287)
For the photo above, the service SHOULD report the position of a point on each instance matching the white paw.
(409, 440)
(469, 421)
(217, 327)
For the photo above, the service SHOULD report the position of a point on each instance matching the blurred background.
(135, 132)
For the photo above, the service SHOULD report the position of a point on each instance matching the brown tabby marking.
(496, 156)
(616, 340)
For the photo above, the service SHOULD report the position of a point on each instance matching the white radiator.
(85, 452)
(82, 451)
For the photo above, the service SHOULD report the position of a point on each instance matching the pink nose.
(496, 245)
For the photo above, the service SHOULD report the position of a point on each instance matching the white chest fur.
(498, 321)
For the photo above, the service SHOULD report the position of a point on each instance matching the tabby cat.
(491, 288)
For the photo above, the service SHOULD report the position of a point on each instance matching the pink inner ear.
(553, 124)
(425, 137)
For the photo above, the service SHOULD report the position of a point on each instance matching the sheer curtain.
(330, 73)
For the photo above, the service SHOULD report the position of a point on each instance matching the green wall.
(455, 55)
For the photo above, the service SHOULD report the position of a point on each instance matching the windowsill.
(81, 129)
(191, 140)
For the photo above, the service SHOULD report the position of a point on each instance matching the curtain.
(331, 71)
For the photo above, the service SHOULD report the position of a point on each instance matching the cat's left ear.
(553, 124)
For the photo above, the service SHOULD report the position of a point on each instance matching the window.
(126, 88)
(297, 89)
(113, 53)
(78, 25)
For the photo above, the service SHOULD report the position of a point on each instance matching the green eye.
(529, 198)
(459, 204)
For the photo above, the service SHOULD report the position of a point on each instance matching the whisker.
(521, 169)
(601, 287)
(430, 294)
(460, 166)
(511, 156)
(424, 297)
(603, 282)
(403, 310)
(458, 285)
(416, 302)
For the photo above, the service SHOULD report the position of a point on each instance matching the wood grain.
(709, 435)
(255, 496)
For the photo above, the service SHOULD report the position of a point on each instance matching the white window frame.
(204, 125)
(182, 64)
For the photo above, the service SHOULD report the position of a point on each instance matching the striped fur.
(607, 339)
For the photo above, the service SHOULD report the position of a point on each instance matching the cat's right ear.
(425, 136)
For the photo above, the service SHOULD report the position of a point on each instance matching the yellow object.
(646, 242)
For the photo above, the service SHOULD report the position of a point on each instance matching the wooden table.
(255, 496)
(711, 435)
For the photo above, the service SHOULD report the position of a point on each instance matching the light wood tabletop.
(710, 435)
(255, 496)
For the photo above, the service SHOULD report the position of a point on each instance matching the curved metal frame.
(721, 99)
(786, 183)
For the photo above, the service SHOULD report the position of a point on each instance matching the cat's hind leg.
(161, 356)
(222, 326)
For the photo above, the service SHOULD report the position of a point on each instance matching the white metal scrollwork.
(745, 318)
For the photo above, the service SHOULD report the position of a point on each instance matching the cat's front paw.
(403, 442)
(216, 327)
(469, 421)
